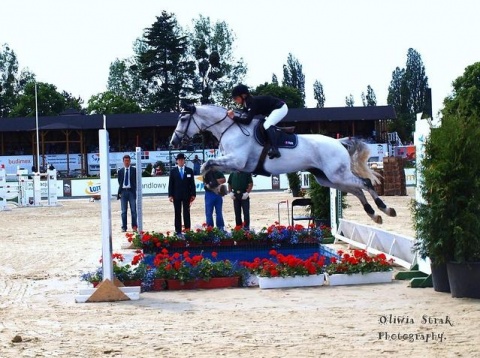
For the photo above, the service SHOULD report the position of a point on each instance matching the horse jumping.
(336, 163)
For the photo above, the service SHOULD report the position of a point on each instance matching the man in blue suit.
(181, 192)
(127, 192)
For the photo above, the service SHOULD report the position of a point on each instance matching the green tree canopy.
(111, 103)
(293, 76)
(369, 100)
(218, 70)
(407, 94)
(318, 94)
(50, 101)
(165, 65)
(291, 96)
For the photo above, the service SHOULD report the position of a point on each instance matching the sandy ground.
(44, 250)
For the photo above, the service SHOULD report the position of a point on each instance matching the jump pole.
(138, 159)
(108, 290)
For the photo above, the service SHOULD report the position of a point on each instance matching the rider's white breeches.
(276, 116)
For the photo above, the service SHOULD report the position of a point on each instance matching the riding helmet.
(239, 90)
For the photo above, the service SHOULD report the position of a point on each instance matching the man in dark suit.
(127, 192)
(181, 192)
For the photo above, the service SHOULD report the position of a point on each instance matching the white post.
(3, 189)
(37, 189)
(36, 128)
(105, 190)
(52, 187)
(138, 154)
(333, 210)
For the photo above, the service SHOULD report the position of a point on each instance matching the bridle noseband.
(184, 137)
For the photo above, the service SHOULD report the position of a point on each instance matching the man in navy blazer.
(127, 192)
(181, 192)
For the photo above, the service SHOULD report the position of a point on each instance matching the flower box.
(292, 281)
(216, 282)
(359, 278)
(159, 284)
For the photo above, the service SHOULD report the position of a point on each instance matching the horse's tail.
(359, 154)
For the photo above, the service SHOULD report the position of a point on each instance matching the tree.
(407, 94)
(50, 101)
(318, 94)
(165, 66)
(349, 101)
(124, 79)
(72, 102)
(293, 76)
(8, 80)
(111, 103)
(218, 70)
(290, 95)
(274, 79)
(369, 100)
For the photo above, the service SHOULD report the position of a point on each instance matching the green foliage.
(111, 103)
(448, 221)
(407, 94)
(293, 76)
(320, 196)
(294, 182)
(50, 101)
(369, 100)
(218, 70)
(165, 65)
(290, 95)
(318, 94)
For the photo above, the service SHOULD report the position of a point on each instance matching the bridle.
(184, 137)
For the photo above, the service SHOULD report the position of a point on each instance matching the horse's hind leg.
(352, 189)
(380, 204)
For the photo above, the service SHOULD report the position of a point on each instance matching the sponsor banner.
(14, 162)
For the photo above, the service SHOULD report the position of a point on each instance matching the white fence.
(394, 246)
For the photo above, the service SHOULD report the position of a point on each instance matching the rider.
(273, 108)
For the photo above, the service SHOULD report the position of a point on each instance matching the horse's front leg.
(225, 162)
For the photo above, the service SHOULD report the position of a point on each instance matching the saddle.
(286, 138)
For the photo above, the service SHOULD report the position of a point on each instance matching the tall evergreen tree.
(8, 80)
(293, 75)
(369, 100)
(407, 94)
(318, 94)
(165, 64)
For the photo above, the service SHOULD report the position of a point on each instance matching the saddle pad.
(284, 140)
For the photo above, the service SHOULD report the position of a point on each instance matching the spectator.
(240, 185)
(181, 192)
(196, 165)
(213, 201)
(127, 192)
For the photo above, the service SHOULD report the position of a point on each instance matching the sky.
(345, 44)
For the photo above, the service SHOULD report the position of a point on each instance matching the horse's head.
(184, 131)
(197, 119)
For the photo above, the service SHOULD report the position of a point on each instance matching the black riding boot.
(272, 136)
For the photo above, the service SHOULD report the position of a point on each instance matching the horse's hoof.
(377, 219)
(391, 212)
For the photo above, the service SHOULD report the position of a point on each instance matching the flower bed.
(274, 236)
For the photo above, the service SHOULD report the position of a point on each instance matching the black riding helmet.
(239, 90)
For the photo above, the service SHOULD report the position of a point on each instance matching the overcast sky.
(345, 44)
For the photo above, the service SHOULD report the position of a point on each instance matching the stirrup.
(274, 154)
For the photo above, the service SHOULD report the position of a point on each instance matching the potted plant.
(294, 183)
(446, 220)
(94, 277)
(358, 267)
(287, 270)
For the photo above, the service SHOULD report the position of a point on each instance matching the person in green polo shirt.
(240, 185)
